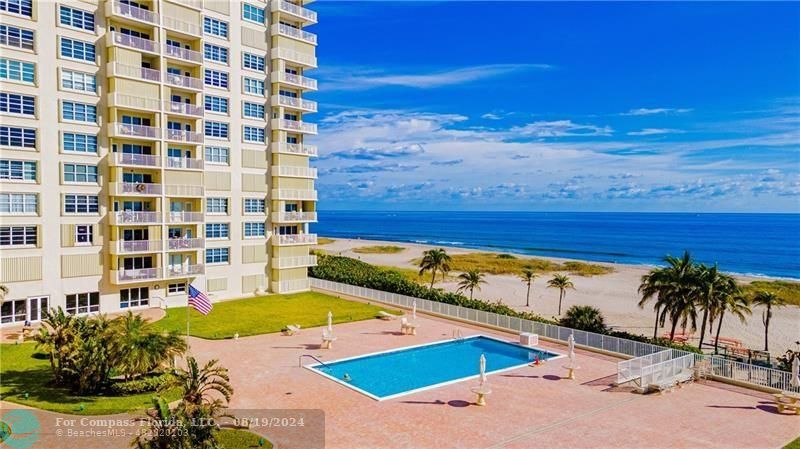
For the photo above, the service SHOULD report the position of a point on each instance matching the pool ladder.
(457, 334)
(300, 360)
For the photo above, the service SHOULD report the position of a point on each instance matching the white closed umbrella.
(414, 310)
(482, 368)
(571, 346)
(330, 321)
(796, 372)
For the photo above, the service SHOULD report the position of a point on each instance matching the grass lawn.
(793, 445)
(324, 241)
(240, 439)
(491, 263)
(24, 370)
(790, 291)
(379, 249)
(266, 314)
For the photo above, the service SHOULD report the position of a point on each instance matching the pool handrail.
(300, 363)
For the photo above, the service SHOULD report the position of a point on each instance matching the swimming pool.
(398, 372)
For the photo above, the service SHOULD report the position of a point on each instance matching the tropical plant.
(470, 281)
(199, 385)
(54, 338)
(527, 276)
(713, 288)
(434, 260)
(768, 300)
(166, 429)
(3, 292)
(585, 318)
(141, 348)
(654, 285)
(674, 288)
(735, 304)
(562, 283)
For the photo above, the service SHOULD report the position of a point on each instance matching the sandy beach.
(614, 294)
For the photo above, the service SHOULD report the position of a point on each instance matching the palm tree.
(528, 276)
(141, 348)
(712, 288)
(769, 300)
(199, 385)
(54, 337)
(470, 281)
(434, 260)
(737, 305)
(3, 292)
(562, 283)
(654, 285)
(585, 318)
(674, 286)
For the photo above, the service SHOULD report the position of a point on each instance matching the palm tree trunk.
(560, 298)
(766, 327)
(433, 277)
(471, 291)
(655, 326)
(703, 329)
(674, 326)
(719, 328)
(528, 298)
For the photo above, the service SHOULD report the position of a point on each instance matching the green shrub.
(142, 385)
(586, 318)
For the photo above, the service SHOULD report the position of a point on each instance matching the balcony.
(134, 189)
(295, 239)
(294, 217)
(297, 285)
(295, 148)
(134, 218)
(294, 194)
(188, 109)
(183, 54)
(174, 271)
(134, 160)
(294, 33)
(294, 102)
(293, 56)
(184, 190)
(294, 126)
(294, 172)
(135, 43)
(298, 12)
(294, 80)
(184, 163)
(116, 129)
(135, 275)
(179, 135)
(133, 102)
(185, 217)
(294, 262)
(133, 72)
(135, 246)
(185, 244)
(194, 4)
(185, 82)
(185, 28)
(122, 10)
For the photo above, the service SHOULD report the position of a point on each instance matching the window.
(253, 134)
(217, 155)
(12, 70)
(217, 255)
(216, 129)
(134, 297)
(79, 112)
(80, 143)
(81, 204)
(18, 203)
(84, 82)
(18, 235)
(253, 110)
(76, 18)
(16, 37)
(254, 206)
(253, 86)
(253, 62)
(13, 170)
(217, 205)
(215, 53)
(74, 49)
(17, 104)
(217, 230)
(215, 27)
(80, 303)
(216, 104)
(176, 289)
(80, 173)
(215, 78)
(254, 230)
(14, 136)
(252, 13)
(84, 234)
(20, 7)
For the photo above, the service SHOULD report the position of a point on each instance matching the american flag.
(199, 300)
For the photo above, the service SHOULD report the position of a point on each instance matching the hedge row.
(141, 385)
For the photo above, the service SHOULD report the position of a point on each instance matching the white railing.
(183, 53)
(140, 274)
(294, 194)
(666, 370)
(285, 217)
(126, 216)
(141, 160)
(295, 148)
(135, 188)
(721, 368)
(294, 56)
(183, 81)
(295, 172)
(628, 370)
(133, 101)
(133, 42)
(295, 33)
(297, 285)
(294, 262)
(296, 239)
(118, 69)
(184, 270)
(181, 26)
(184, 136)
(295, 125)
(295, 102)
(185, 217)
(295, 80)
(175, 107)
(125, 10)
(295, 10)
(181, 244)
(184, 190)
(184, 163)
(138, 246)
(124, 129)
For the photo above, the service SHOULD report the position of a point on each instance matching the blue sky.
(559, 106)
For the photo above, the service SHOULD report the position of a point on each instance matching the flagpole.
(187, 322)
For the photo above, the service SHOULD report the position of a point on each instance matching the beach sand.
(614, 294)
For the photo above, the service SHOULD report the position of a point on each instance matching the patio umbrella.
(796, 372)
(482, 367)
(571, 346)
(330, 321)
(414, 310)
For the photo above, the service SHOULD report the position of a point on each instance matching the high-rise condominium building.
(149, 144)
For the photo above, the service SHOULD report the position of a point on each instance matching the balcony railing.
(180, 135)
(185, 217)
(183, 53)
(294, 102)
(117, 8)
(289, 217)
(135, 275)
(295, 239)
(136, 160)
(295, 172)
(294, 262)
(135, 188)
(180, 26)
(174, 107)
(184, 190)
(133, 102)
(117, 129)
(134, 42)
(295, 148)
(137, 246)
(181, 244)
(132, 217)
(295, 10)
(183, 81)
(295, 125)
(132, 71)
(184, 270)
(294, 33)
(184, 163)
(294, 56)
(295, 80)
(294, 194)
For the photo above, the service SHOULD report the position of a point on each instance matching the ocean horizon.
(753, 244)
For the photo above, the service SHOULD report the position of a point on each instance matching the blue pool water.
(402, 371)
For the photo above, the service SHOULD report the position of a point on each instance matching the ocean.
(752, 244)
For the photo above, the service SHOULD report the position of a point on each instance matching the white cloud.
(655, 111)
(492, 116)
(561, 128)
(655, 131)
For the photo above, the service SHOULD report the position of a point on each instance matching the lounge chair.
(787, 401)
(327, 339)
(407, 327)
(666, 385)
(291, 329)
(684, 377)
(386, 316)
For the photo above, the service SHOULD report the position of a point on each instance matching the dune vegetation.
(492, 263)
(324, 241)
(379, 249)
(788, 291)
